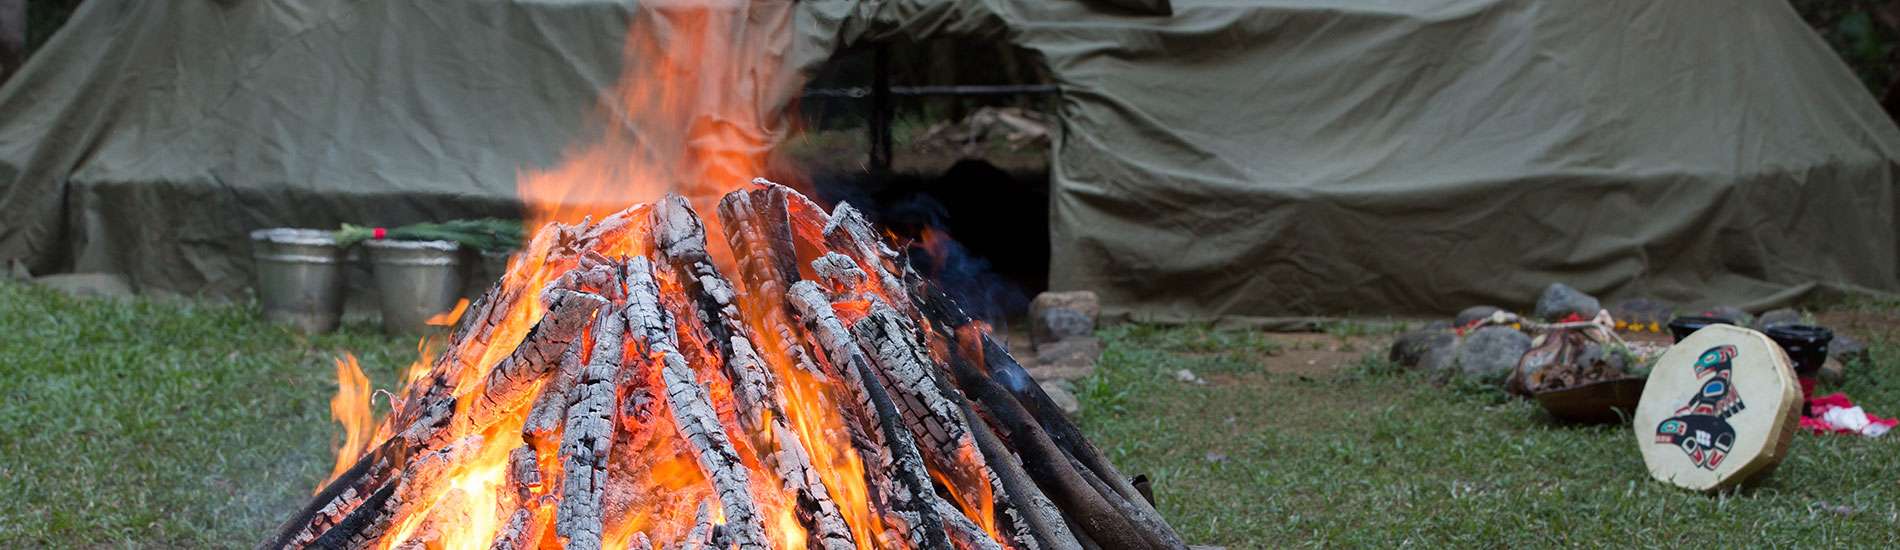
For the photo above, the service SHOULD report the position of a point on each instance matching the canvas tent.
(1230, 160)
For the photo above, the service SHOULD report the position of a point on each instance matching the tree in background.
(1864, 33)
(12, 36)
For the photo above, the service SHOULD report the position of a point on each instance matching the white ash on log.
(617, 390)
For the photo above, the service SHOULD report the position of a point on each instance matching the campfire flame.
(350, 407)
(719, 414)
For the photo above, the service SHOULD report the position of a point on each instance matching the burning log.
(587, 435)
(615, 390)
(682, 241)
(895, 447)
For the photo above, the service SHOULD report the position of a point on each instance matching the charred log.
(587, 436)
(1067, 436)
(912, 479)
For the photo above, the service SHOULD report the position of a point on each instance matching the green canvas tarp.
(1232, 160)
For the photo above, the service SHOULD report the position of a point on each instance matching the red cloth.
(1818, 407)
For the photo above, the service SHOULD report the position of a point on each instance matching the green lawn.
(165, 424)
(1369, 456)
(156, 424)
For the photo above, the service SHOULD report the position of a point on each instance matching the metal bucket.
(416, 279)
(299, 277)
(483, 270)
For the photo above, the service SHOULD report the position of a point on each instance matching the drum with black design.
(1720, 408)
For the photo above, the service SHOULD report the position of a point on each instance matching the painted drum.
(1720, 409)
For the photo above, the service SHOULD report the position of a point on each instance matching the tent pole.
(881, 111)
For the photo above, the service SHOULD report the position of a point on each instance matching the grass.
(161, 424)
(179, 425)
(1372, 455)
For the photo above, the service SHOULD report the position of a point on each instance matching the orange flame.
(350, 407)
(696, 111)
(448, 318)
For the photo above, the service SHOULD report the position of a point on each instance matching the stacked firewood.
(640, 354)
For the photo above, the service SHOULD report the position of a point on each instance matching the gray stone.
(1410, 349)
(1833, 373)
(93, 285)
(1082, 301)
(1068, 359)
(1057, 315)
(1061, 372)
(1053, 325)
(1083, 349)
(1848, 350)
(1441, 354)
(1779, 317)
(1492, 350)
(1064, 399)
(1473, 314)
(1559, 301)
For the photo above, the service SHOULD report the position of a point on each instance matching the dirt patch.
(1865, 326)
(1316, 353)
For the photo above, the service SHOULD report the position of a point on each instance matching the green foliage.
(1856, 31)
(486, 234)
(45, 17)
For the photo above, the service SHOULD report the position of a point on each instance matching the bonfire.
(616, 389)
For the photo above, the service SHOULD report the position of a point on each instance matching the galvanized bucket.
(483, 270)
(299, 277)
(417, 280)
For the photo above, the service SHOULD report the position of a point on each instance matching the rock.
(1057, 315)
(88, 285)
(1559, 301)
(1779, 317)
(1847, 350)
(1643, 315)
(1410, 349)
(1833, 372)
(1492, 350)
(1441, 353)
(1061, 372)
(1188, 377)
(1473, 314)
(1063, 398)
(1053, 325)
(1069, 350)
(1069, 359)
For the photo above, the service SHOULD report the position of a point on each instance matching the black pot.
(1682, 327)
(1806, 346)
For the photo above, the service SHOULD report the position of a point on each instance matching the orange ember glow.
(350, 407)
